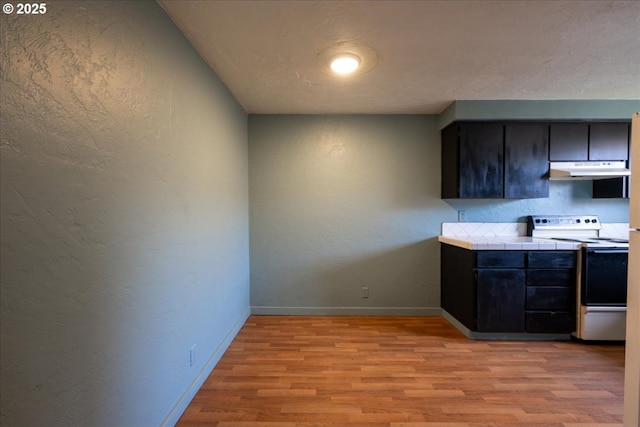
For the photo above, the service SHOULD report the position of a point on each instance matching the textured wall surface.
(565, 197)
(124, 216)
(342, 202)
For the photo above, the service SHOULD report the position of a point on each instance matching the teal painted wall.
(126, 220)
(124, 224)
(341, 202)
(565, 197)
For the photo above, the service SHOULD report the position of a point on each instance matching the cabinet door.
(458, 284)
(526, 150)
(501, 299)
(611, 188)
(568, 142)
(480, 165)
(609, 141)
(449, 153)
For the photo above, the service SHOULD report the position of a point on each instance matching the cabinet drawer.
(550, 323)
(507, 259)
(548, 277)
(552, 259)
(550, 298)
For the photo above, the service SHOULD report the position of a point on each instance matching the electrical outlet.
(462, 216)
(365, 292)
(192, 355)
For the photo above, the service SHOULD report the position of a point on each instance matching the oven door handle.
(607, 251)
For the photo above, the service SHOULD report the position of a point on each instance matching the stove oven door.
(604, 277)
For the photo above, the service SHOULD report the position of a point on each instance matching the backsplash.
(483, 229)
(495, 229)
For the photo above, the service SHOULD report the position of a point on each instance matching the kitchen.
(568, 273)
(162, 237)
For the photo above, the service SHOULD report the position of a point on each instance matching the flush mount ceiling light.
(345, 63)
(347, 59)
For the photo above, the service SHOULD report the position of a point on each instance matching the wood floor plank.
(283, 371)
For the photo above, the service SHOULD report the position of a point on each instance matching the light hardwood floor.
(403, 371)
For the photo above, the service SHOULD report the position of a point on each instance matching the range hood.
(588, 170)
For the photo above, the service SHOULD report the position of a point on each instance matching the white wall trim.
(178, 409)
(346, 311)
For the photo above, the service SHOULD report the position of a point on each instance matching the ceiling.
(422, 55)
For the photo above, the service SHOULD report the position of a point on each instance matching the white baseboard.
(346, 311)
(187, 396)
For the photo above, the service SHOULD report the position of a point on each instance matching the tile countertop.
(507, 243)
(511, 236)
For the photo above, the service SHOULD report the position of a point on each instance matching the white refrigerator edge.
(632, 350)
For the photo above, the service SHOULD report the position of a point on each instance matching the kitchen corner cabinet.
(494, 160)
(509, 291)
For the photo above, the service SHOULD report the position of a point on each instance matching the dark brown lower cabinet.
(555, 322)
(501, 298)
(510, 291)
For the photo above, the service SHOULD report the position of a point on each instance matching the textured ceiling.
(426, 53)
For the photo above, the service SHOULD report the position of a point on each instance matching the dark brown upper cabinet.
(611, 137)
(609, 141)
(481, 154)
(526, 169)
(581, 141)
(568, 142)
(472, 160)
(611, 188)
(494, 160)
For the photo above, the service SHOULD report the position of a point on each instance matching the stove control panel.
(562, 222)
